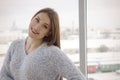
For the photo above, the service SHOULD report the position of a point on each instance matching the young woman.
(39, 57)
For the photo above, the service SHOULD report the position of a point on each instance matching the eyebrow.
(39, 19)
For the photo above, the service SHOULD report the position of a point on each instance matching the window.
(103, 38)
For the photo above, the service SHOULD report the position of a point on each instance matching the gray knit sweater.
(44, 63)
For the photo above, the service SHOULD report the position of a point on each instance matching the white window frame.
(82, 35)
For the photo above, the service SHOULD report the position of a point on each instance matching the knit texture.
(44, 63)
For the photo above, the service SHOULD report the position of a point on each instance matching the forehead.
(44, 17)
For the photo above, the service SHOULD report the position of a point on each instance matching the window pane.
(103, 39)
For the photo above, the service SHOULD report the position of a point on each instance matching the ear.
(50, 33)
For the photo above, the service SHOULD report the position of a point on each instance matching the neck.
(32, 44)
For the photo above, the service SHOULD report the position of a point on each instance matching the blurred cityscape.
(103, 49)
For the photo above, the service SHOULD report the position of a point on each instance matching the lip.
(33, 31)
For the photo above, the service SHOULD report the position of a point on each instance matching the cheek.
(31, 24)
(44, 34)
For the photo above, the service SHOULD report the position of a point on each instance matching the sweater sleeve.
(65, 67)
(5, 73)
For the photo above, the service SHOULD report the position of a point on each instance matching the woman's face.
(39, 26)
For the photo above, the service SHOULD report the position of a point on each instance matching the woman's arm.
(5, 73)
(65, 67)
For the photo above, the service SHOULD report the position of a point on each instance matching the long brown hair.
(54, 37)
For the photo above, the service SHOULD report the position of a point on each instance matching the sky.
(100, 13)
(21, 11)
(103, 13)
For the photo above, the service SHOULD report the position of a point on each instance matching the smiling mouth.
(33, 31)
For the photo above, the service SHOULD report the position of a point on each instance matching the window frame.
(82, 35)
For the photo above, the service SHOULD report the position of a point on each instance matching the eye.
(45, 26)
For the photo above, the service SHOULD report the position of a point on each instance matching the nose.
(37, 27)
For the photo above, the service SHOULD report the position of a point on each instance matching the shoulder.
(50, 50)
(12, 47)
(54, 49)
(16, 42)
(55, 52)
